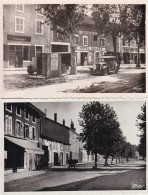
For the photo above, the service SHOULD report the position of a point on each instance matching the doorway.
(126, 58)
(56, 159)
(83, 58)
(61, 157)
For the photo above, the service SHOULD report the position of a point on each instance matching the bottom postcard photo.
(74, 145)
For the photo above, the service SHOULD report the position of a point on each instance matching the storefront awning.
(29, 147)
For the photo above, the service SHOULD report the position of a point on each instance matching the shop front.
(22, 155)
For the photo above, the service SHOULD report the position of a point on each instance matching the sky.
(126, 110)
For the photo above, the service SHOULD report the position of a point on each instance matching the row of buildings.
(32, 141)
(26, 35)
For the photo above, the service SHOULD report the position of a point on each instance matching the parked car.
(105, 66)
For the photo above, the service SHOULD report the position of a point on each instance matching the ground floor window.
(18, 54)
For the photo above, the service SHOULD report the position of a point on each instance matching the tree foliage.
(100, 129)
(64, 20)
(107, 18)
(142, 127)
(133, 23)
(126, 20)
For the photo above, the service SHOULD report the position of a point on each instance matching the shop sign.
(82, 48)
(18, 38)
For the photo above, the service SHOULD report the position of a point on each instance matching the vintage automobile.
(105, 66)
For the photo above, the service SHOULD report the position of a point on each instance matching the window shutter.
(6, 52)
(15, 133)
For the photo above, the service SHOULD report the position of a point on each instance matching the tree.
(107, 19)
(100, 128)
(141, 123)
(118, 148)
(65, 19)
(133, 23)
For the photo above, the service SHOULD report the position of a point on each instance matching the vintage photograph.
(90, 145)
(52, 49)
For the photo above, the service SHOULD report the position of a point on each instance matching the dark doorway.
(56, 159)
(83, 57)
(45, 157)
(61, 157)
(142, 58)
(66, 158)
(70, 155)
(66, 59)
(126, 57)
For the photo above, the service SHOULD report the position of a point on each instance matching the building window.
(9, 107)
(133, 43)
(33, 133)
(100, 42)
(39, 28)
(19, 7)
(123, 42)
(39, 10)
(19, 24)
(8, 125)
(26, 131)
(18, 128)
(61, 146)
(18, 110)
(26, 115)
(85, 40)
(76, 40)
(33, 118)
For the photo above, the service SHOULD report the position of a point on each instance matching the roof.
(26, 144)
(35, 108)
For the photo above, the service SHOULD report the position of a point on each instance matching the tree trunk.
(112, 160)
(73, 64)
(106, 163)
(116, 160)
(138, 57)
(119, 159)
(114, 45)
(96, 160)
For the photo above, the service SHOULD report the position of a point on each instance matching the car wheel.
(105, 72)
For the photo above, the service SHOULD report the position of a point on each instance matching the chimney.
(72, 125)
(55, 117)
(45, 110)
(63, 122)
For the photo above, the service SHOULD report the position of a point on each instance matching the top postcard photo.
(74, 50)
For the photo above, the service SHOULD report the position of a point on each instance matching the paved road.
(62, 177)
(128, 80)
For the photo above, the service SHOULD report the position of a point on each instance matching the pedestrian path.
(20, 175)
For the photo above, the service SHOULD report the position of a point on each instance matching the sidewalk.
(21, 175)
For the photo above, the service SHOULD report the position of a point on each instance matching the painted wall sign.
(18, 38)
